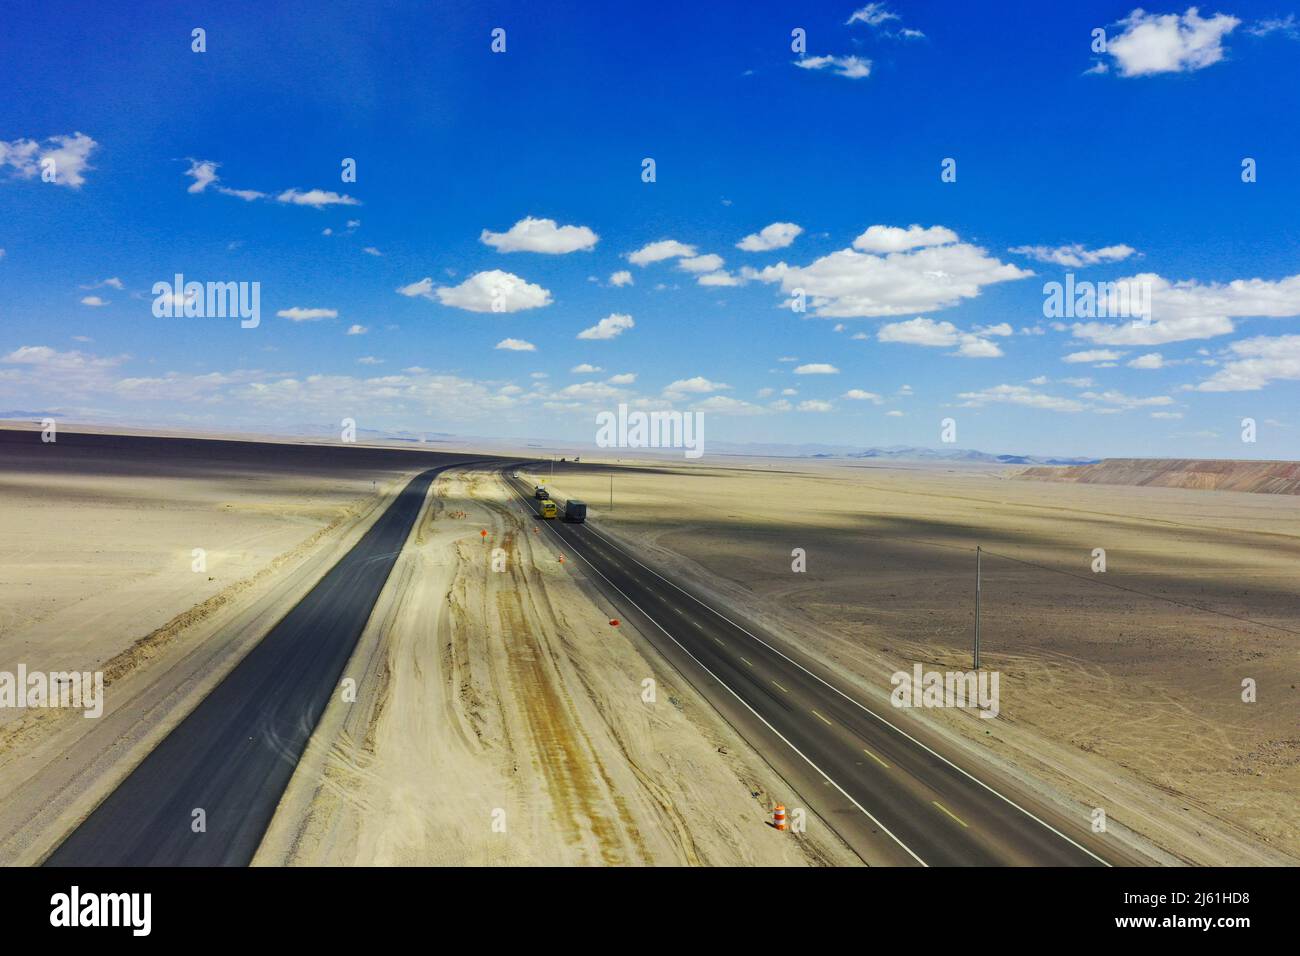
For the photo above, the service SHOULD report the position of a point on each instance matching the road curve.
(884, 786)
(233, 755)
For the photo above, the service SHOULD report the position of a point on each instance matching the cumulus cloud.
(540, 235)
(928, 332)
(699, 385)
(623, 378)
(1075, 255)
(897, 239)
(1153, 43)
(858, 395)
(1255, 362)
(67, 158)
(611, 326)
(515, 345)
(299, 314)
(1190, 309)
(1151, 360)
(620, 278)
(316, 198)
(1019, 395)
(892, 271)
(357, 330)
(816, 368)
(776, 236)
(705, 263)
(720, 278)
(490, 291)
(1093, 355)
(850, 67)
(659, 251)
(585, 368)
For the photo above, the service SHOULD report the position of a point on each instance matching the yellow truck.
(549, 510)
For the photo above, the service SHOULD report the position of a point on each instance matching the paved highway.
(884, 786)
(233, 755)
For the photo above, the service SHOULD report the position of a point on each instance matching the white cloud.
(623, 378)
(859, 395)
(928, 332)
(299, 314)
(815, 405)
(1093, 355)
(816, 368)
(1189, 309)
(93, 300)
(370, 360)
(316, 198)
(851, 67)
(882, 239)
(1126, 401)
(927, 271)
(515, 345)
(776, 236)
(895, 413)
(699, 385)
(873, 15)
(1151, 360)
(611, 326)
(709, 262)
(540, 235)
(1255, 362)
(720, 278)
(586, 369)
(357, 330)
(659, 251)
(1020, 395)
(67, 156)
(1169, 43)
(371, 251)
(1075, 256)
(204, 174)
(620, 278)
(248, 195)
(726, 405)
(490, 291)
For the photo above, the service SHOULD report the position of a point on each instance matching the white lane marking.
(742, 700)
(851, 700)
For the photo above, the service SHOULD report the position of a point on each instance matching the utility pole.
(978, 553)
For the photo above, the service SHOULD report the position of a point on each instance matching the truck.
(540, 493)
(549, 509)
(575, 510)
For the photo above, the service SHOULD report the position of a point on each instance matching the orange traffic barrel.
(778, 817)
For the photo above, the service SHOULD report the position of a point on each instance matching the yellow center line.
(875, 758)
(949, 812)
(782, 688)
(823, 719)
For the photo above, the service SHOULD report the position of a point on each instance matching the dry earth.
(499, 719)
(1120, 690)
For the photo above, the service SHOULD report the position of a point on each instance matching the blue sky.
(1113, 165)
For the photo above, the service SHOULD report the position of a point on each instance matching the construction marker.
(778, 817)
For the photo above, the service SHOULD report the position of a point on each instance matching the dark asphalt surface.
(886, 786)
(233, 755)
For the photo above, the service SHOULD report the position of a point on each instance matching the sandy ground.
(96, 574)
(499, 719)
(1111, 697)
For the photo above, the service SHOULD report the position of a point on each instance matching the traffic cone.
(778, 817)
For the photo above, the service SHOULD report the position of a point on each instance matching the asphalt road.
(233, 755)
(884, 784)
